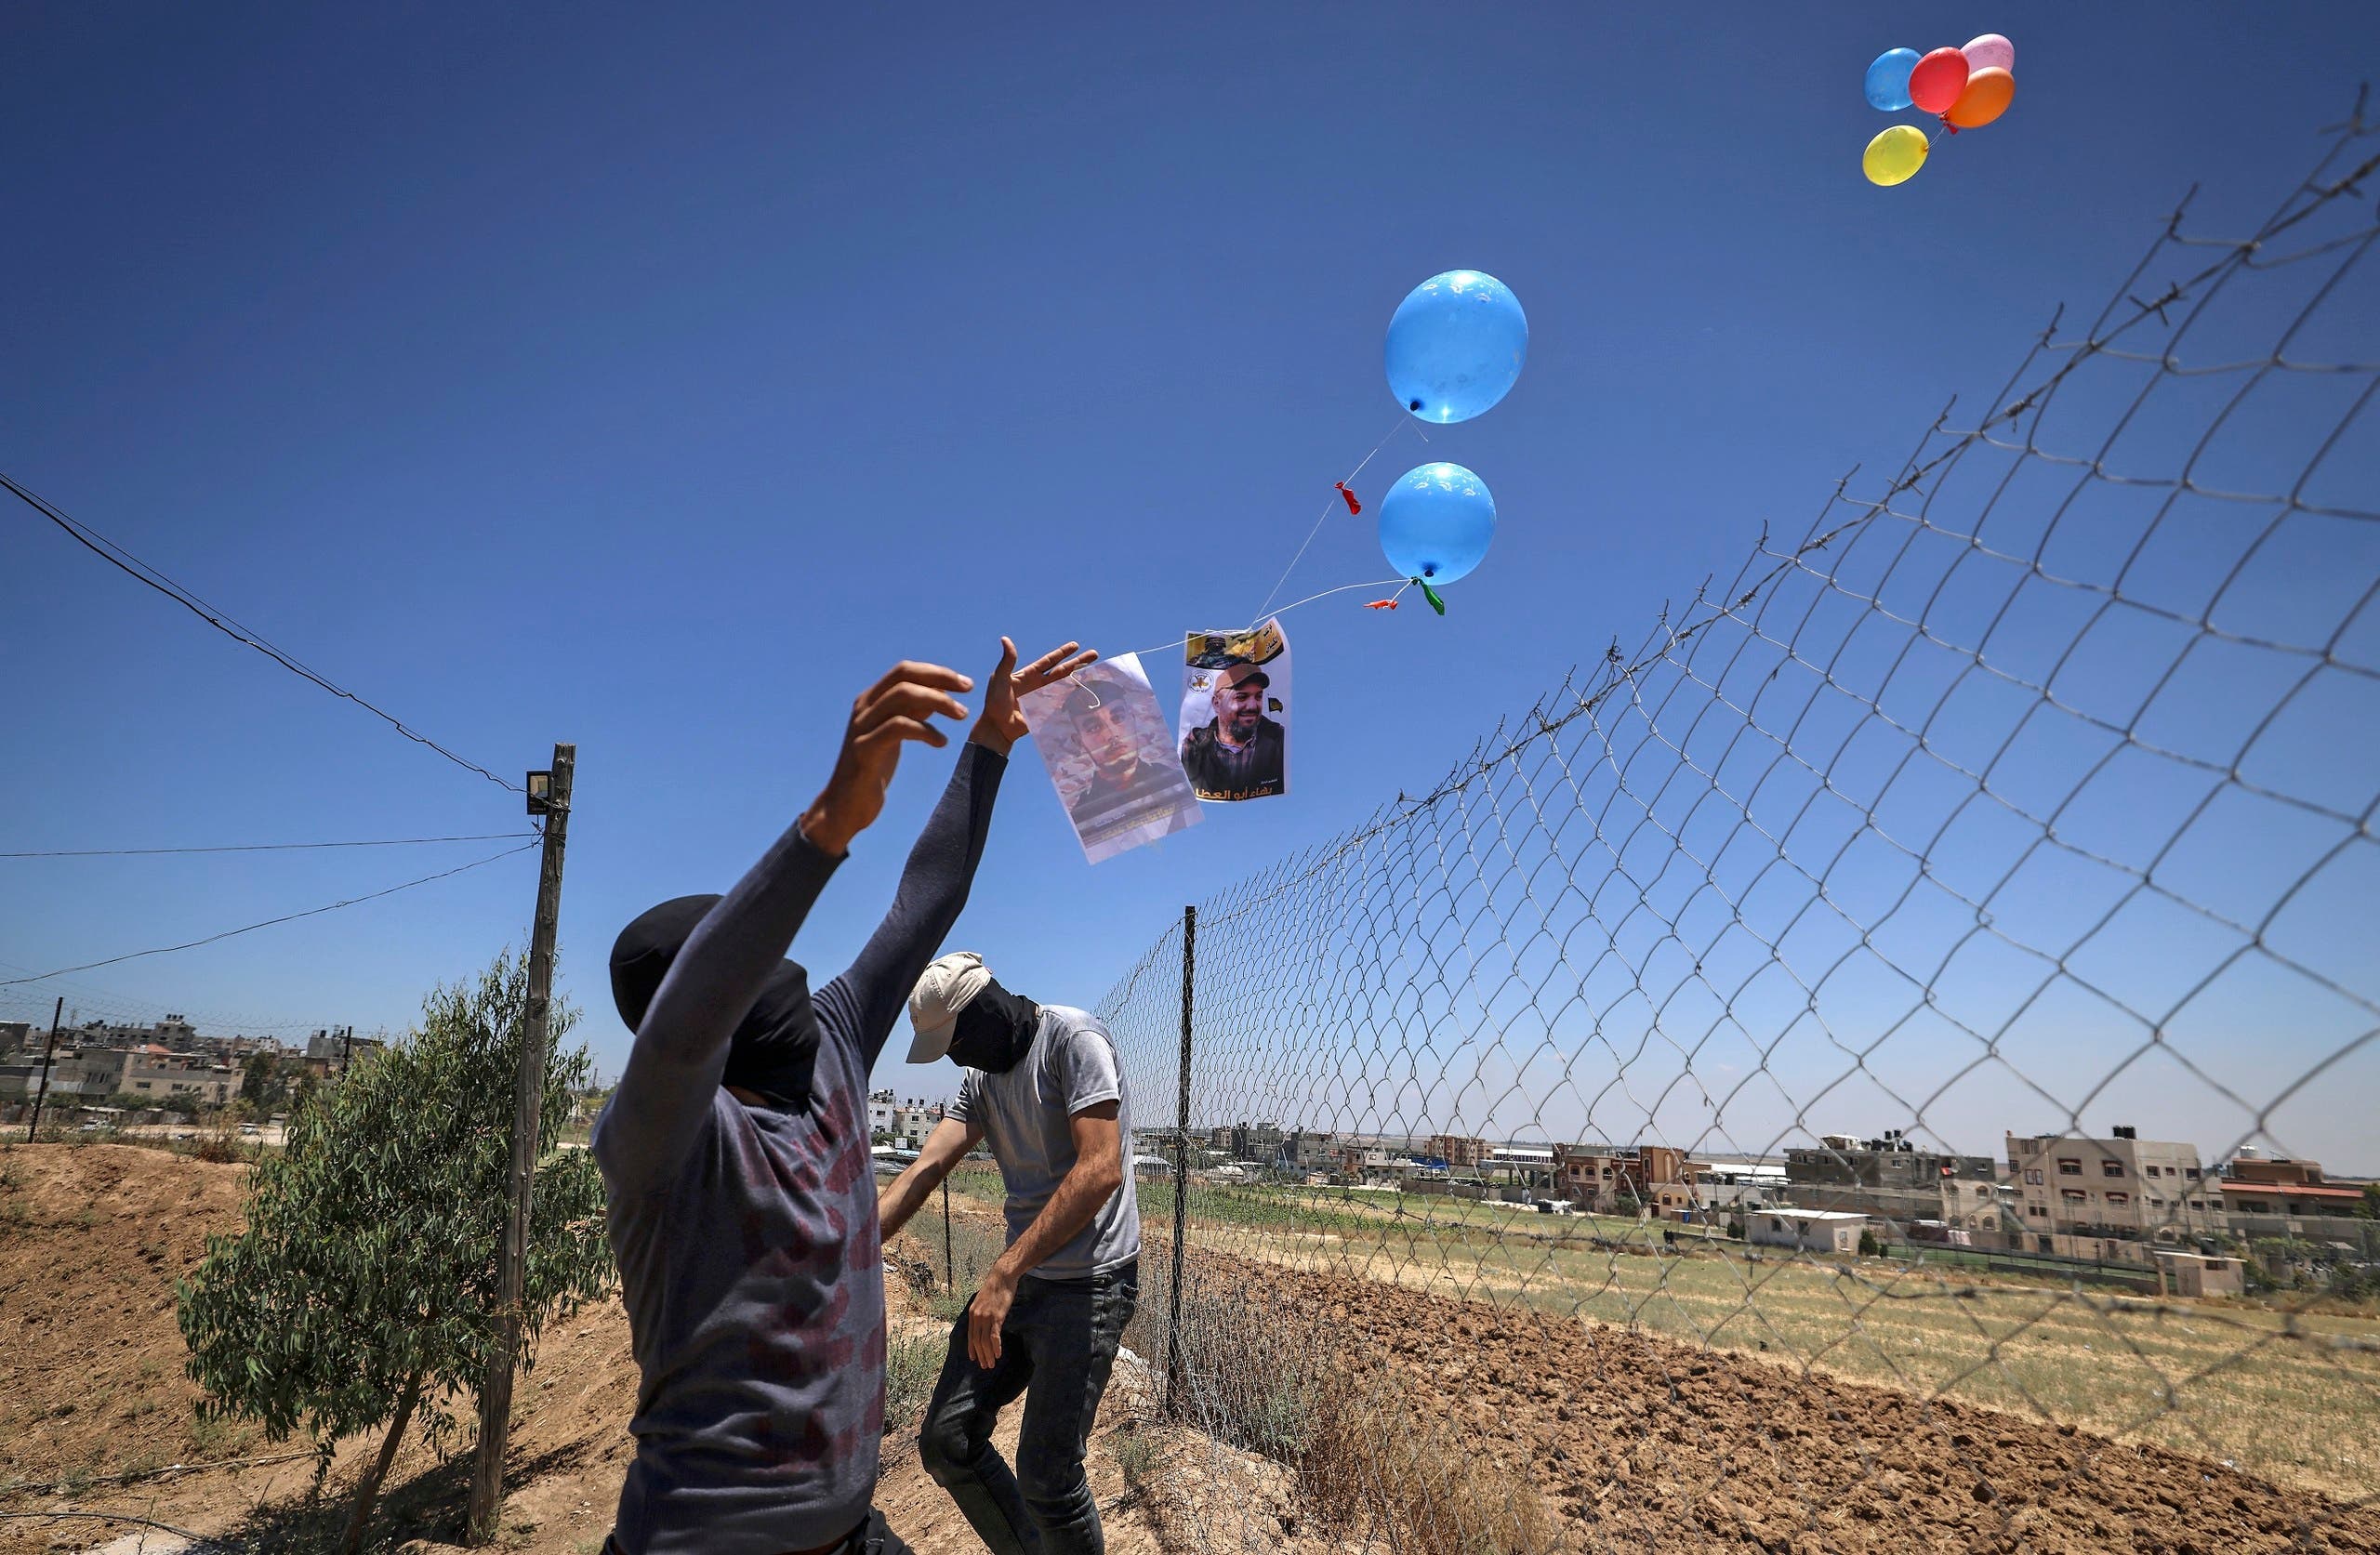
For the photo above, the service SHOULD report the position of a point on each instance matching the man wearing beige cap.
(1043, 1084)
(1238, 753)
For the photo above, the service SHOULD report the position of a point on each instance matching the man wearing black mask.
(735, 1154)
(1043, 1084)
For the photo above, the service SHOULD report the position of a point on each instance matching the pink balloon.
(1990, 51)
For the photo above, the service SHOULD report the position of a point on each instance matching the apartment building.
(1659, 1178)
(2123, 1187)
(1460, 1151)
(1893, 1181)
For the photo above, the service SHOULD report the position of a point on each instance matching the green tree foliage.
(2367, 1207)
(363, 1287)
(264, 1081)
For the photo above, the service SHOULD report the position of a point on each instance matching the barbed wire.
(1805, 958)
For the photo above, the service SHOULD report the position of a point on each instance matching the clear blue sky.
(653, 380)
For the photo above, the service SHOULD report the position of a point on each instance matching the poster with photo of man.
(1235, 713)
(1104, 740)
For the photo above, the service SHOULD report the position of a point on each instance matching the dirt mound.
(94, 1403)
(92, 1239)
(1656, 1444)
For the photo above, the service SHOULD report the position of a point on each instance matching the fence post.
(48, 1061)
(950, 1264)
(1173, 1375)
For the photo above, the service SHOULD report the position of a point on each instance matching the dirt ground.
(92, 1239)
(1643, 1443)
(1632, 1440)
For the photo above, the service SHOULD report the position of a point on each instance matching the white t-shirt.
(1026, 1115)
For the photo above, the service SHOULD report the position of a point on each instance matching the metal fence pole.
(1174, 1375)
(49, 1062)
(950, 1264)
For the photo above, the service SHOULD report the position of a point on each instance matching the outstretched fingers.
(915, 700)
(1054, 666)
(913, 672)
(892, 731)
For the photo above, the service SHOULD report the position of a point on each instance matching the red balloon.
(1937, 80)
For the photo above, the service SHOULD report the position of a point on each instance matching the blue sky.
(654, 381)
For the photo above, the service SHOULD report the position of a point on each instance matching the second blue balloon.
(1436, 523)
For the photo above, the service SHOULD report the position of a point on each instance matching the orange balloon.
(1985, 97)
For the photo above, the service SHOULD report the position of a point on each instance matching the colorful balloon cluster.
(1455, 347)
(1966, 88)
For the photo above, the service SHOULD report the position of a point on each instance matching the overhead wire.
(267, 923)
(258, 846)
(132, 566)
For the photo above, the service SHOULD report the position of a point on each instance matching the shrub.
(911, 1368)
(364, 1286)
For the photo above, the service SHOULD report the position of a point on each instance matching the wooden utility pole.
(496, 1393)
(49, 1060)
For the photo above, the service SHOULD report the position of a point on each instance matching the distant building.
(1892, 1180)
(1808, 1231)
(2198, 1274)
(1460, 1151)
(2255, 1184)
(904, 1124)
(174, 1033)
(2123, 1187)
(18, 1036)
(1370, 1161)
(1598, 1178)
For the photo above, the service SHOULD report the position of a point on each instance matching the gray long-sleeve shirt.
(747, 1236)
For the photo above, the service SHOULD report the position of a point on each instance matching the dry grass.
(1368, 1465)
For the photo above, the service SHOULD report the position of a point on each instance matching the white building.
(904, 1124)
(1810, 1230)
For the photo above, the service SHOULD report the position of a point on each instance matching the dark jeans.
(871, 1537)
(1059, 1341)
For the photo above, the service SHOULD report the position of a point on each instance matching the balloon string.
(1375, 582)
(1403, 420)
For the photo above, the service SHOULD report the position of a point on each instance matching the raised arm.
(866, 1000)
(673, 1069)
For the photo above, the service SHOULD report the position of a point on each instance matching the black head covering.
(995, 1030)
(776, 1049)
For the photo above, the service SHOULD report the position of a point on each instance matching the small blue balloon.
(1435, 522)
(1888, 79)
(1456, 345)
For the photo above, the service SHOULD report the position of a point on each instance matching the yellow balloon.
(1895, 156)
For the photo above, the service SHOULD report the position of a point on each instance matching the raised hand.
(1003, 724)
(895, 710)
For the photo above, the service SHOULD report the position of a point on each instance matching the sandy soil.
(1643, 1442)
(1632, 1441)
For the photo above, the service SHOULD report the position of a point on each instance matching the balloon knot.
(1947, 124)
(1353, 506)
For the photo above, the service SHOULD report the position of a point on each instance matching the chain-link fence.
(1851, 1071)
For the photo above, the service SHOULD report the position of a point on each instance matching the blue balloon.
(1888, 79)
(1435, 522)
(1456, 345)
